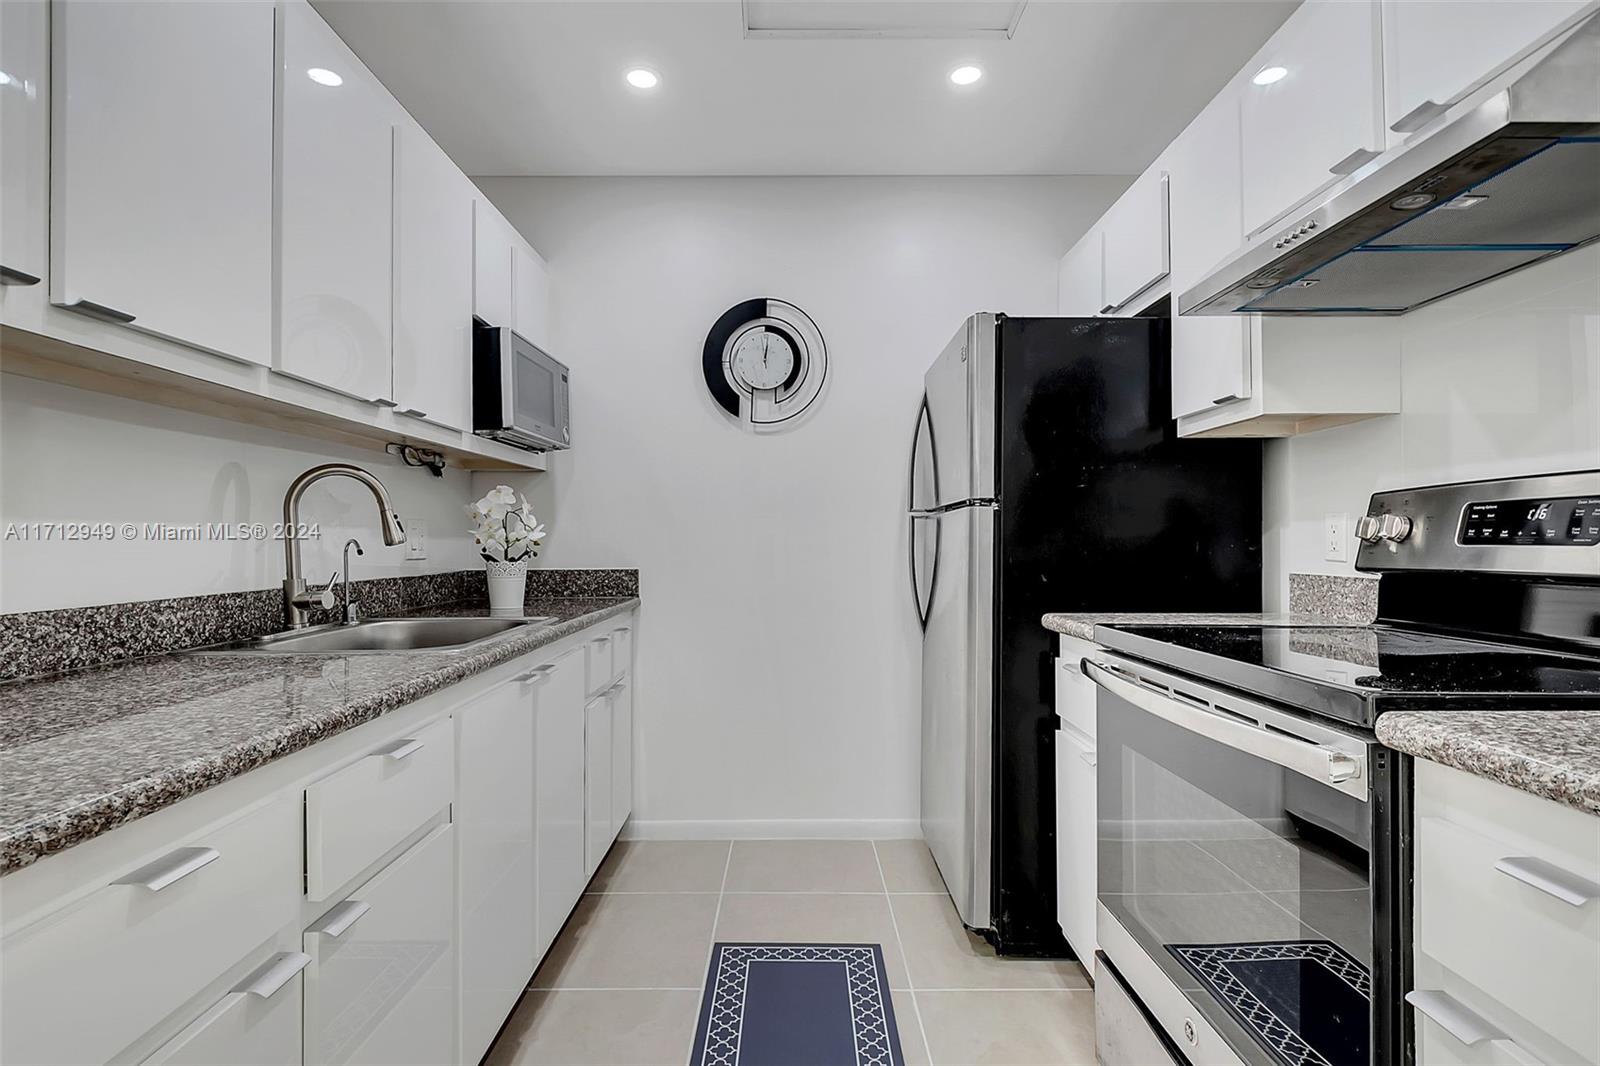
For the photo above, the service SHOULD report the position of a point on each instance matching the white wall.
(779, 654)
(1497, 381)
(69, 455)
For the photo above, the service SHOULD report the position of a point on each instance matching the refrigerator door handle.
(924, 604)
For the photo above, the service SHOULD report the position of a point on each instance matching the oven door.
(1236, 871)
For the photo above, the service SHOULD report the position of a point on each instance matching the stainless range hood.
(1509, 181)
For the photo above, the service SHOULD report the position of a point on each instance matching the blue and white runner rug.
(797, 1005)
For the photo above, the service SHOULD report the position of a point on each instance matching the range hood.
(1503, 182)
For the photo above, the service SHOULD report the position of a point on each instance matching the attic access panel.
(947, 19)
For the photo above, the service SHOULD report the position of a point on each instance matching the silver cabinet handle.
(1353, 162)
(337, 921)
(400, 749)
(413, 412)
(13, 276)
(101, 311)
(1088, 757)
(1229, 398)
(1418, 117)
(1453, 1016)
(382, 401)
(602, 640)
(278, 971)
(170, 869)
(534, 676)
(1549, 878)
(1108, 308)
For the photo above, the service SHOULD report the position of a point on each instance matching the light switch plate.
(1336, 538)
(416, 540)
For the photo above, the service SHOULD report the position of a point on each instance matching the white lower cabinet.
(621, 755)
(597, 835)
(381, 985)
(494, 819)
(255, 1024)
(1076, 777)
(559, 803)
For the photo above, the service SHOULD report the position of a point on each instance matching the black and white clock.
(765, 362)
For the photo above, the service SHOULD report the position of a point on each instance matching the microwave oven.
(519, 393)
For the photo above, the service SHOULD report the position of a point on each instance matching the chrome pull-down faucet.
(297, 599)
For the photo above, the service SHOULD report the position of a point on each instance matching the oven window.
(536, 392)
(1246, 882)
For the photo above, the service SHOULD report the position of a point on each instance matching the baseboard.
(775, 829)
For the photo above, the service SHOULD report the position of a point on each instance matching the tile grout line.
(911, 988)
(711, 948)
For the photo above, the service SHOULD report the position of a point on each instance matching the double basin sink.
(380, 635)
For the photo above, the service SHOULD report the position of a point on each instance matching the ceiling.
(536, 86)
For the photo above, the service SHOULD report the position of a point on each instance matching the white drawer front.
(380, 988)
(356, 815)
(256, 1024)
(83, 984)
(1522, 947)
(1075, 693)
(599, 663)
(621, 651)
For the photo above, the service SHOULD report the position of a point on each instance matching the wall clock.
(765, 362)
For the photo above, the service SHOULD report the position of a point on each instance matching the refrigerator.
(1047, 475)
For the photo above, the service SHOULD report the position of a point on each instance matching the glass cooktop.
(1354, 673)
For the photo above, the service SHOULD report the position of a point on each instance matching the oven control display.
(1570, 520)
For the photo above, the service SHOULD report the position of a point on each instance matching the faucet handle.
(309, 598)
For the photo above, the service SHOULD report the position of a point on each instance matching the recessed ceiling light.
(643, 78)
(5, 79)
(966, 75)
(324, 77)
(1268, 75)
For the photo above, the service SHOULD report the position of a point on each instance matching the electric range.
(1255, 838)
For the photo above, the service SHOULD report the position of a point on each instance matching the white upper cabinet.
(432, 281)
(530, 294)
(161, 176)
(1322, 118)
(1210, 354)
(1434, 53)
(336, 176)
(1136, 255)
(1081, 291)
(25, 156)
(493, 298)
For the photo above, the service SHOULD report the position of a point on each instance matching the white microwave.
(519, 393)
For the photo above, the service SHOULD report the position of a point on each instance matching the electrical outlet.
(1336, 538)
(416, 540)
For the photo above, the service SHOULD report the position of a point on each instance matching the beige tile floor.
(622, 985)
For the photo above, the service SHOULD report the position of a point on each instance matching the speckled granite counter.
(1553, 754)
(1082, 625)
(1314, 600)
(85, 752)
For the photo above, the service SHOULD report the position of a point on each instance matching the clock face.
(763, 359)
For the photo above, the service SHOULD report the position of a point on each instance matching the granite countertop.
(82, 753)
(1552, 754)
(1082, 625)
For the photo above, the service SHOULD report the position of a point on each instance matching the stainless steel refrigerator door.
(957, 707)
(960, 392)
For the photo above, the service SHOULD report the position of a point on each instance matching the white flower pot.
(508, 583)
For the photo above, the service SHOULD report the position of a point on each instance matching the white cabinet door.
(25, 155)
(255, 1024)
(1081, 291)
(381, 986)
(1435, 52)
(1211, 353)
(432, 281)
(493, 298)
(621, 754)
(1323, 118)
(596, 783)
(1075, 840)
(558, 777)
(494, 820)
(531, 285)
(161, 179)
(1135, 241)
(336, 186)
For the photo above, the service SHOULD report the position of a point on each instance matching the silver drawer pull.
(1088, 757)
(534, 676)
(1549, 878)
(170, 869)
(400, 749)
(1454, 1017)
(278, 971)
(341, 918)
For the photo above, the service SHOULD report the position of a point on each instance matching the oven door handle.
(1333, 760)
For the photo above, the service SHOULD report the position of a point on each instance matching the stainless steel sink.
(380, 634)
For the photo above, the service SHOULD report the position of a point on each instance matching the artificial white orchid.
(505, 528)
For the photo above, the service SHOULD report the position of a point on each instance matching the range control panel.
(1571, 520)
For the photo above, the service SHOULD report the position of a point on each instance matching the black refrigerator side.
(1102, 508)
